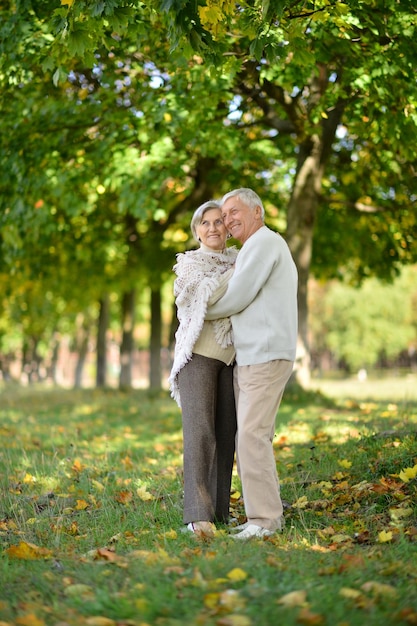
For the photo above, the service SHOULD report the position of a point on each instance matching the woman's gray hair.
(199, 214)
(246, 195)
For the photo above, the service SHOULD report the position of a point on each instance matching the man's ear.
(258, 212)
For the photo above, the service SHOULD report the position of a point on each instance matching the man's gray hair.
(246, 195)
(199, 214)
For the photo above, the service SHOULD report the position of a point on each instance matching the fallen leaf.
(81, 505)
(350, 561)
(310, 619)
(211, 600)
(79, 589)
(409, 616)
(169, 534)
(29, 479)
(124, 497)
(144, 495)
(379, 589)
(128, 463)
(28, 551)
(98, 620)
(77, 466)
(341, 538)
(107, 555)
(345, 463)
(237, 574)
(408, 473)
(234, 620)
(301, 503)
(350, 594)
(294, 598)
(231, 600)
(385, 536)
(400, 513)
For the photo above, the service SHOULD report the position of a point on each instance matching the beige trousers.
(258, 392)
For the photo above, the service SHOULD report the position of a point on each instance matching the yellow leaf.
(99, 486)
(98, 620)
(69, 3)
(169, 534)
(301, 503)
(211, 600)
(28, 551)
(345, 463)
(144, 494)
(77, 466)
(29, 478)
(141, 604)
(385, 536)
(397, 514)
(294, 598)
(81, 505)
(127, 462)
(235, 495)
(379, 589)
(350, 594)
(77, 590)
(237, 574)
(408, 474)
(341, 538)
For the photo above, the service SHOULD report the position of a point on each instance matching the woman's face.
(211, 231)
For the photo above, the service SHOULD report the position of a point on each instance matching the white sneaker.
(236, 529)
(252, 530)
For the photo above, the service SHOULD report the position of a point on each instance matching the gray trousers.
(209, 429)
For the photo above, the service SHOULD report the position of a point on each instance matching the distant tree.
(362, 325)
(308, 102)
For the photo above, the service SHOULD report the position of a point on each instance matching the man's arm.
(253, 267)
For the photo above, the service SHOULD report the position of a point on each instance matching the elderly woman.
(201, 379)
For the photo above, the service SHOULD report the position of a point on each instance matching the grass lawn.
(91, 516)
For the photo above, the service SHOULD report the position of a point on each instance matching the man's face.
(240, 220)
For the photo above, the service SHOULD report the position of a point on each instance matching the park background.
(119, 119)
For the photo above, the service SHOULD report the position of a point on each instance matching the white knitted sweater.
(199, 274)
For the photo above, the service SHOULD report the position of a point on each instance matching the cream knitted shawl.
(198, 276)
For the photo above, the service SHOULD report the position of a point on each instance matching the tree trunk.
(155, 342)
(173, 327)
(301, 217)
(82, 335)
(103, 323)
(52, 370)
(126, 347)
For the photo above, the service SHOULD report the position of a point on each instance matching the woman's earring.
(228, 236)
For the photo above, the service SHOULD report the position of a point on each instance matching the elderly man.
(261, 300)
